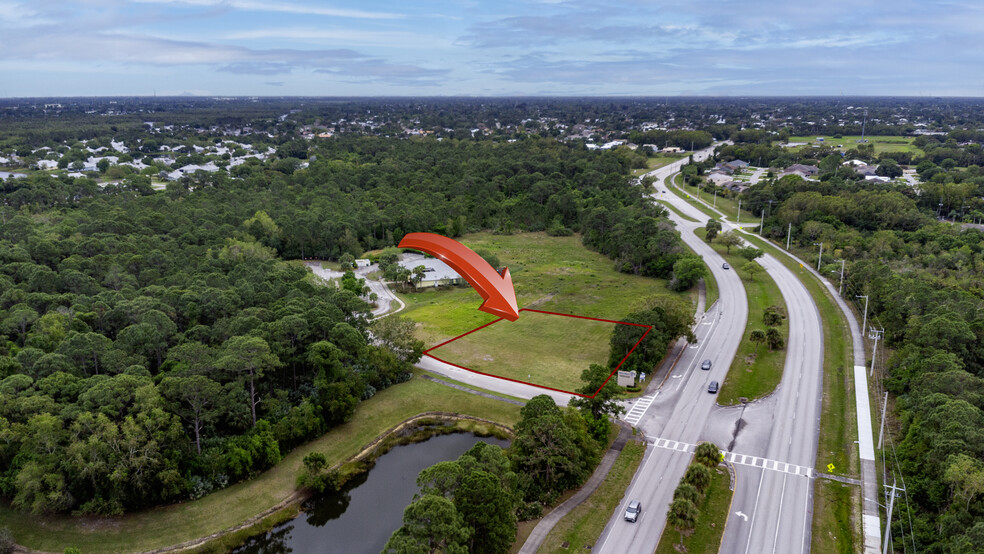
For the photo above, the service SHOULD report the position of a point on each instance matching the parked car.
(713, 387)
(725, 265)
(706, 365)
(632, 511)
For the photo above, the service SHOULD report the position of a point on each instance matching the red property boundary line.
(646, 332)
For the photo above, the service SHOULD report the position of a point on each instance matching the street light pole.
(738, 223)
(864, 320)
(789, 234)
(762, 225)
(820, 258)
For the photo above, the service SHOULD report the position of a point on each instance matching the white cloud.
(282, 7)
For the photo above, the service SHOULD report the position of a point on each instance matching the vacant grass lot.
(710, 525)
(581, 528)
(848, 142)
(657, 161)
(542, 349)
(232, 506)
(555, 274)
(755, 371)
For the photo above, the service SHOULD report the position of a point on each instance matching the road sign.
(830, 467)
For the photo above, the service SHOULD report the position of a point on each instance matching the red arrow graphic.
(497, 290)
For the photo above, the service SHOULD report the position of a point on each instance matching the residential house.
(736, 165)
(805, 170)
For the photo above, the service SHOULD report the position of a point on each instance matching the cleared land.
(542, 349)
(555, 274)
(231, 506)
(656, 162)
(706, 536)
(882, 144)
(581, 528)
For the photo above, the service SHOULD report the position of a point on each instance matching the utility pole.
(715, 197)
(888, 521)
(738, 223)
(820, 258)
(789, 235)
(840, 291)
(875, 335)
(864, 320)
(762, 225)
(881, 432)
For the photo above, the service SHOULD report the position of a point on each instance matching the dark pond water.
(362, 516)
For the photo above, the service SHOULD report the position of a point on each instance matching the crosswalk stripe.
(740, 459)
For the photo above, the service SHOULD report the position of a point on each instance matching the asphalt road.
(683, 406)
(775, 449)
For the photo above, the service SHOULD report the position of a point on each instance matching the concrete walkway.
(542, 529)
(473, 391)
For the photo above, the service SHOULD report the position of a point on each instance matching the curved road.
(774, 451)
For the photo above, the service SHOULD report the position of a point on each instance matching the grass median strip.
(581, 528)
(168, 525)
(834, 529)
(755, 371)
(706, 535)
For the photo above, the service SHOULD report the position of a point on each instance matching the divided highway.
(774, 447)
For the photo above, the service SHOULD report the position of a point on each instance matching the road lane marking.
(633, 416)
(740, 459)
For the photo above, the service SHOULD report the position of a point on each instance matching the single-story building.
(736, 165)
(436, 272)
(363, 262)
(806, 170)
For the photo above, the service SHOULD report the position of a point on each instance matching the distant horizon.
(524, 48)
(505, 96)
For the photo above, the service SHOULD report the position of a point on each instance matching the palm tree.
(699, 476)
(758, 337)
(774, 338)
(708, 453)
(683, 517)
(687, 491)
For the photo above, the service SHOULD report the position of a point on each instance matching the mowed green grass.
(168, 525)
(542, 349)
(882, 144)
(554, 274)
(582, 527)
(755, 371)
(835, 527)
(657, 161)
(707, 534)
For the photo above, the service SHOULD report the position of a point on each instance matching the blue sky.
(506, 47)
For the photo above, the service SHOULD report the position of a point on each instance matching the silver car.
(633, 511)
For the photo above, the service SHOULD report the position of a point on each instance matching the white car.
(632, 511)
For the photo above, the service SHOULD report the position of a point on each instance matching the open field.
(657, 161)
(556, 274)
(755, 371)
(543, 349)
(582, 527)
(706, 537)
(882, 144)
(231, 506)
